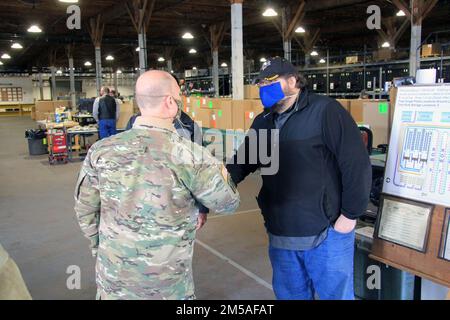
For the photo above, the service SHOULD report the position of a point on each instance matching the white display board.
(418, 164)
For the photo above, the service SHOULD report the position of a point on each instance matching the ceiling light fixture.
(1, 63)
(386, 45)
(262, 60)
(59, 72)
(5, 56)
(224, 65)
(88, 64)
(314, 53)
(188, 35)
(194, 68)
(34, 29)
(68, 1)
(401, 13)
(322, 60)
(161, 59)
(270, 12)
(300, 30)
(119, 71)
(138, 49)
(192, 51)
(110, 58)
(16, 45)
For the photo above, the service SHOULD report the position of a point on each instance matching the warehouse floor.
(39, 230)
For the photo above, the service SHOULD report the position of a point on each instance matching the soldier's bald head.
(153, 87)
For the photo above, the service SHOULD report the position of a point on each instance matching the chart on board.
(418, 164)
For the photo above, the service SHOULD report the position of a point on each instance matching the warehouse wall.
(25, 83)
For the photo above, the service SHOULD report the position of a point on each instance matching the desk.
(54, 125)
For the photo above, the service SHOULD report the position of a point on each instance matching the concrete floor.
(39, 230)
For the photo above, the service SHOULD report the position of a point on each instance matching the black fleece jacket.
(324, 168)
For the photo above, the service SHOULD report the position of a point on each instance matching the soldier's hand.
(201, 220)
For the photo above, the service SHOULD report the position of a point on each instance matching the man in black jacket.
(106, 111)
(310, 205)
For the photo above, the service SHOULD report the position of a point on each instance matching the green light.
(198, 103)
(219, 113)
(210, 104)
(383, 107)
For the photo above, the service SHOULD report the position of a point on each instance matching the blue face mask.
(271, 94)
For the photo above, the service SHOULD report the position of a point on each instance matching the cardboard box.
(126, 111)
(383, 54)
(44, 106)
(431, 50)
(251, 92)
(43, 115)
(345, 103)
(351, 59)
(356, 110)
(239, 109)
(223, 109)
(376, 115)
(203, 117)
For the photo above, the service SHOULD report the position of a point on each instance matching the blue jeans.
(326, 270)
(106, 128)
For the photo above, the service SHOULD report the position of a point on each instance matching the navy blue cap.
(274, 68)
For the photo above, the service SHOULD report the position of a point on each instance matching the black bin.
(37, 144)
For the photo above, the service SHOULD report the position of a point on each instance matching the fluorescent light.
(119, 71)
(88, 64)
(6, 56)
(224, 65)
(322, 60)
(188, 35)
(68, 1)
(386, 45)
(1, 63)
(192, 51)
(161, 59)
(138, 49)
(300, 30)
(314, 53)
(59, 72)
(34, 29)
(401, 13)
(262, 60)
(194, 68)
(110, 58)
(171, 71)
(270, 13)
(16, 45)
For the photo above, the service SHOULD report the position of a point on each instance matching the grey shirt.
(293, 243)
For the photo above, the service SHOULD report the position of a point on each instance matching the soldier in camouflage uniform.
(136, 200)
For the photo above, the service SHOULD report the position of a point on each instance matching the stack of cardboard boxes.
(224, 114)
(44, 110)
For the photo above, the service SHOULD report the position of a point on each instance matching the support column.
(140, 12)
(98, 69)
(72, 82)
(169, 65)
(96, 28)
(142, 39)
(215, 72)
(237, 51)
(41, 86)
(53, 71)
(286, 38)
(414, 54)
(115, 81)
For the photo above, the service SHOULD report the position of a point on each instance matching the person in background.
(310, 205)
(115, 95)
(12, 286)
(106, 112)
(136, 199)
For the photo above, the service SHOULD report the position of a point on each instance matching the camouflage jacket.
(135, 200)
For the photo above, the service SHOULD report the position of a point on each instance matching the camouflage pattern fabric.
(135, 201)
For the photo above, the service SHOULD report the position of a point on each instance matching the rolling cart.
(57, 144)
